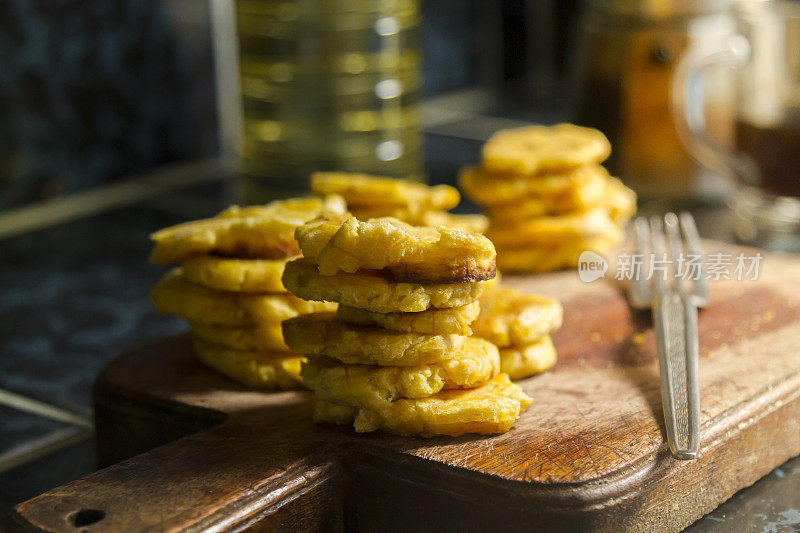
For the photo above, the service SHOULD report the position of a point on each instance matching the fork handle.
(675, 320)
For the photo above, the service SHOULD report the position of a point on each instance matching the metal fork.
(675, 317)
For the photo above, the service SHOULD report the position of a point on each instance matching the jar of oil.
(327, 85)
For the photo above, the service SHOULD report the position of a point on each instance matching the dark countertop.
(75, 295)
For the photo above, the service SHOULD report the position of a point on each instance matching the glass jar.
(327, 85)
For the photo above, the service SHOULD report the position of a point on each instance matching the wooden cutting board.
(589, 454)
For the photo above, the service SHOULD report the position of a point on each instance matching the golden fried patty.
(523, 361)
(265, 337)
(619, 200)
(536, 259)
(491, 408)
(237, 275)
(400, 251)
(551, 231)
(267, 370)
(537, 149)
(370, 191)
(510, 317)
(264, 232)
(325, 334)
(468, 223)
(570, 190)
(375, 293)
(372, 386)
(195, 303)
(455, 320)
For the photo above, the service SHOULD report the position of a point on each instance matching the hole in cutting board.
(86, 517)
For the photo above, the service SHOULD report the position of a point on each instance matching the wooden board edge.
(637, 493)
(124, 429)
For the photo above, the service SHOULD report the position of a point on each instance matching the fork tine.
(676, 249)
(699, 291)
(640, 295)
(659, 252)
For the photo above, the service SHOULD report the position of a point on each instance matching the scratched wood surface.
(589, 452)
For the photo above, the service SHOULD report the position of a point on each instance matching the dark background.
(91, 90)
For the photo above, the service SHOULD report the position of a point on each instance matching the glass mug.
(764, 155)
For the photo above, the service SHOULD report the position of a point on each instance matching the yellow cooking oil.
(327, 85)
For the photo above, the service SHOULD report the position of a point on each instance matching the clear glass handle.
(687, 99)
